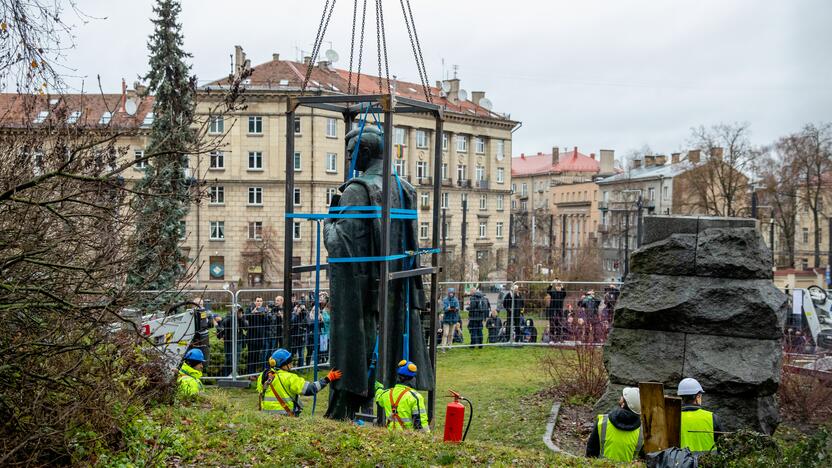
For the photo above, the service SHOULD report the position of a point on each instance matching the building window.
(217, 230)
(479, 171)
(446, 199)
(255, 195)
(651, 193)
(216, 195)
(399, 165)
(42, 115)
(105, 118)
(665, 193)
(501, 173)
(216, 160)
(499, 202)
(500, 149)
(216, 267)
(216, 125)
(446, 230)
(330, 194)
(255, 124)
(297, 161)
(296, 199)
(483, 229)
(332, 162)
(513, 188)
(331, 128)
(805, 235)
(255, 160)
(138, 155)
(524, 205)
(297, 126)
(461, 143)
(255, 230)
(421, 169)
(499, 233)
(421, 139)
(460, 172)
(296, 230)
(73, 117)
(513, 204)
(524, 190)
(479, 145)
(425, 199)
(423, 230)
(148, 119)
(445, 140)
(399, 136)
(483, 202)
(183, 230)
(444, 171)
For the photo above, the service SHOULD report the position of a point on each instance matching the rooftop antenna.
(231, 59)
(456, 69)
(444, 72)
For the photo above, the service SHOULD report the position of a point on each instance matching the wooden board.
(653, 420)
(673, 419)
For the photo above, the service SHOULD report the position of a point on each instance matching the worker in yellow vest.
(404, 407)
(279, 387)
(617, 435)
(189, 383)
(700, 428)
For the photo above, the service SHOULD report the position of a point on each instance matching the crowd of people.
(576, 316)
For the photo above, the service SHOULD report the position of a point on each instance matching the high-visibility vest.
(287, 385)
(401, 404)
(618, 444)
(189, 383)
(701, 421)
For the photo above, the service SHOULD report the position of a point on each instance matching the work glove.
(379, 386)
(333, 375)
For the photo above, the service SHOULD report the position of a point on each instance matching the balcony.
(603, 206)
(482, 184)
(603, 229)
(650, 204)
(447, 183)
(425, 206)
(425, 180)
(464, 183)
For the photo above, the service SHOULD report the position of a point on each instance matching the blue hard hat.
(195, 354)
(407, 369)
(280, 358)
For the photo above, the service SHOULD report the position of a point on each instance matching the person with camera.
(279, 387)
(450, 317)
(298, 328)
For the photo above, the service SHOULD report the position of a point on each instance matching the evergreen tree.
(165, 188)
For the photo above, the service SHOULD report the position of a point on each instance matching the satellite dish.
(446, 87)
(463, 95)
(485, 103)
(331, 55)
(131, 106)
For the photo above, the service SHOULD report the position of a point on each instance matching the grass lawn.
(226, 429)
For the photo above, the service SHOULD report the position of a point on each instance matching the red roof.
(21, 110)
(569, 162)
(282, 74)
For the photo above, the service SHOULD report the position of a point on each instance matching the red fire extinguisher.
(455, 417)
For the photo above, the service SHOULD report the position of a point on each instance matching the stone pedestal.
(700, 302)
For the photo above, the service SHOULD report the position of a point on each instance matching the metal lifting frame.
(350, 106)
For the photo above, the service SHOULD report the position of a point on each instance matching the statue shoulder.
(355, 190)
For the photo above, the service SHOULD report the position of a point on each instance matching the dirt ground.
(573, 428)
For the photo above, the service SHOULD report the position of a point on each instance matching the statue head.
(371, 146)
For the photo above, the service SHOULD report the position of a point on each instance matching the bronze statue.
(355, 286)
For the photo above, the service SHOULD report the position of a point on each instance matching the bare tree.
(810, 154)
(262, 251)
(780, 191)
(718, 185)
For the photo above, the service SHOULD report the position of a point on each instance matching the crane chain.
(421, 58)
(319, 39)
(378, 43)
(422, 77)
(352, 44)
(361, 46)
(384, 43)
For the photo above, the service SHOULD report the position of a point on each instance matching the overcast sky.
(594, 74)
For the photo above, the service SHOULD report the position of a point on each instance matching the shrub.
(578, 376)
(804, 398)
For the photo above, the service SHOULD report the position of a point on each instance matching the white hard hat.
(689, 386)
(632, 398)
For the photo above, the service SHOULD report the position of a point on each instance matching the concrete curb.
(550, 428)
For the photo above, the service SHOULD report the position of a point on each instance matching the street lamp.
(639, 204)
(771, 238)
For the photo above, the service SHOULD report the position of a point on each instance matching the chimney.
(575, 153)
(453, 94)
(476, 96)
(636, 163)
(276, 57)
(123, 94)
(555, 155)
(522, 155)
(693, 156)
(607, 161)
(306, 60)
(540, 153)
(592, 155)
(716, 153)
(138, 90)
(661, 159)
(674, 158)
(649, 160)
(239, 58)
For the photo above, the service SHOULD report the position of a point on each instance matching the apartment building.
(576, 216)
(246, 179)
